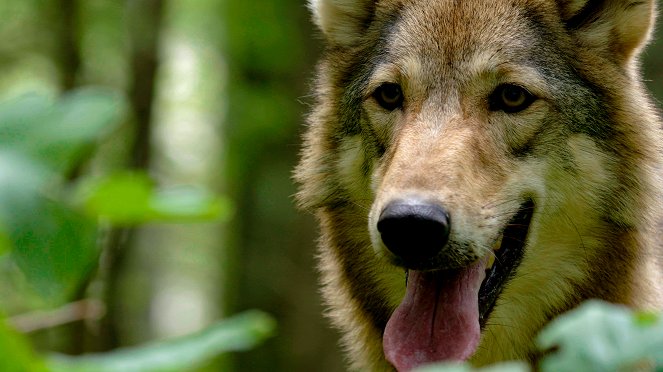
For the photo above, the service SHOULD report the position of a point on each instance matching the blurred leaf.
(19, 116)
(598, 336)
(60, 133)
(646, 319)
(121, 198)
(53, 246)
(15, 352)
(19, 173)
(4, 241)
(188, 204)
(130, 198)
(465, 367)
(239, 333)
(18, 176)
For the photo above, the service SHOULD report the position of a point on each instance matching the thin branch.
(69, 313)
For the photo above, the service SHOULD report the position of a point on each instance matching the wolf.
(478, 168)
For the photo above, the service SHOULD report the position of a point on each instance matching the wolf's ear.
(342, 21)
(618, 27)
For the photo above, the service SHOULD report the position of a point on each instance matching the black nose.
(413, 230)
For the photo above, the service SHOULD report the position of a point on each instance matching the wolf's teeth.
(498, 243)
(490, 262)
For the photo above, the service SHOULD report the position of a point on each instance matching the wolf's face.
(484, 147)
(482, 153)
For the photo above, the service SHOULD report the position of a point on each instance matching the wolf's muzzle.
(413, 230)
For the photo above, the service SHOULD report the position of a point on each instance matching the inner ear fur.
(618, 28)
(342, 21)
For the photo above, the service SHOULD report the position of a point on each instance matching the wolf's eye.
(389, 96)
(510, 98)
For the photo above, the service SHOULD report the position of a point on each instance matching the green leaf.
(5, 245)
(18, 176)
(239, 333)
(602, 337)
(188, 203)
(19, 173)
(20, 116)
(122, 198)
(15, 352)
(52, 245)
(646, 319)
(59, 134)
(131, 198)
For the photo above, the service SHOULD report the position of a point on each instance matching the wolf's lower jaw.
(443, 312)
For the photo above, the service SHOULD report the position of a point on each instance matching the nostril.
(414, 231)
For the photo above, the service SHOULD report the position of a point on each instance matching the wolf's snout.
(414, 231)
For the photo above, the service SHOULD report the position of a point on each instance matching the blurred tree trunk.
(145, 26)
(69, 53)
(145, 19)
(71, 336)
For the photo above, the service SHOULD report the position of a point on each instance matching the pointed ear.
(619, 28)
(342, 21)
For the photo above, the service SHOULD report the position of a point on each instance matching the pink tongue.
(438, 319)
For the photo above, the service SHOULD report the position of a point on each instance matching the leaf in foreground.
(603, 337)
(58, 133)
(53, 245)
(466, 367)
(15, 353)
(239, 333)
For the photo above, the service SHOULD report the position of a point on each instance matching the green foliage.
(130, 198)
(597, 336)
(48, 226)
(59, 134)
(239, 333)
(53, 244)
(604, 337)
(17, 356)
(53, 231)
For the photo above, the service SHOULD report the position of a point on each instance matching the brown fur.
(587, 152)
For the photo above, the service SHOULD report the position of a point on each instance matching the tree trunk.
(69, 53)
(145, 19)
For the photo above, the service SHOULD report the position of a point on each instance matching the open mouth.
(507, 257)
(442, 314)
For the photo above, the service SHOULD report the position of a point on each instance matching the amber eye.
(511, 98)
(389, 96)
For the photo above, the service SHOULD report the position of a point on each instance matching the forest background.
(206, 100)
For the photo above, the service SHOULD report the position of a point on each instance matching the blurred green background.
(213, 94)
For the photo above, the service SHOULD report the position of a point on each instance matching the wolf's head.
(498, 152)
